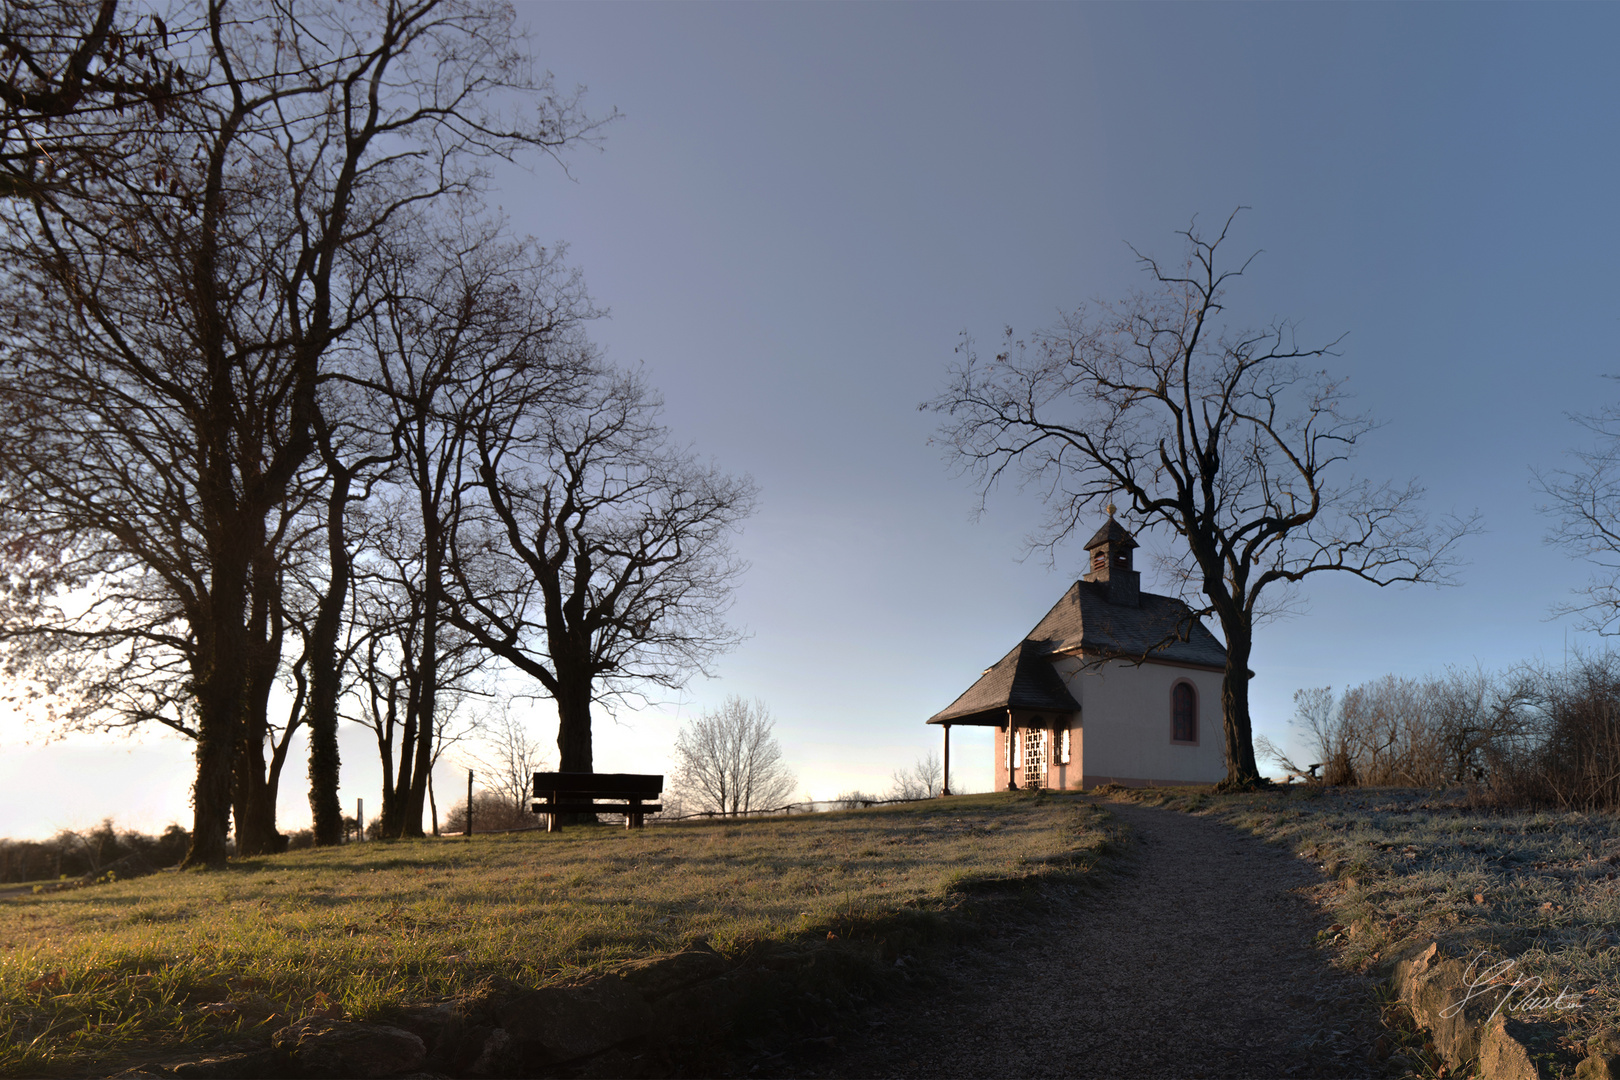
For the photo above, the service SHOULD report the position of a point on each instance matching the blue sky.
(804, 206)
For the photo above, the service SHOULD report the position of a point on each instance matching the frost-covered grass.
(1540, 891)
(105, 973)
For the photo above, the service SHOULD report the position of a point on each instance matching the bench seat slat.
(594, 808)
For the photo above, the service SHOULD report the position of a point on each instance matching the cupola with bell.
(1110, 554)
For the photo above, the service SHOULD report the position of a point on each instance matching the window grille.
(1034, 757)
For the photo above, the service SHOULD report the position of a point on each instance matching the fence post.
(469, 803)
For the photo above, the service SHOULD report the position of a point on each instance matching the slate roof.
(1083, 621)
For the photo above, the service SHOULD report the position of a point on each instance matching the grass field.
(101, 974)
(1538, 892)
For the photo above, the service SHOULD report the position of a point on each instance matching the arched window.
(1184, 713)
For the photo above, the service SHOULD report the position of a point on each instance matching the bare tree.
(1584, 501)
(597, 559)
(206, 258)
(1231, 440)
(386, 626)
(476, 331)
(727, 760)
(924, 780)
(508, 756)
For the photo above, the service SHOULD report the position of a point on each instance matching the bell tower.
(1110, 554)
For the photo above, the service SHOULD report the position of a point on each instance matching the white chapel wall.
(1125, 716)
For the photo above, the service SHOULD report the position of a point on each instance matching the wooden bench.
(557, 793)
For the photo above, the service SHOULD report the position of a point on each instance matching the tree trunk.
(573, 725)
(325, 677)
(421, 753)
(427, 668)
(407, 751)
(254, 798)
(219, 709)
(1241, 771)
(388, 817)
(433, 804)
(574, 735)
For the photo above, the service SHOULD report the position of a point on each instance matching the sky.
(803, 208)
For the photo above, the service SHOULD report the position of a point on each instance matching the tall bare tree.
(474, 328)
(386, 626)
(210, 253)
(727, 761)
(1232, 440)
(597, 559)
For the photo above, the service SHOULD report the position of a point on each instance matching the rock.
(1433, 986)
(1599, 1067)
(244, 1065)
(438, 1026)
(321, 1049)
(493, 1056)
(1503, 1054)
(1459, 1007)
(466, 1050)
(560, 1023)
(660, 976)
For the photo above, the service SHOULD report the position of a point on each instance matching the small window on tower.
(1099, 559)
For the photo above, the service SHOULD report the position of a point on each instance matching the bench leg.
(553, 823)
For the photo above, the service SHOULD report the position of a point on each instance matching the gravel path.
(1196, 960)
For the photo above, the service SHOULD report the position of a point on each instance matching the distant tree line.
(286, 407)
(73, 854)
(1536, 736)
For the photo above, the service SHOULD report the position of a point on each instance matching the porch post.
(945, 782)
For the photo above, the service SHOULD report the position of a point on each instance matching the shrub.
(492, 812)
(1572, 759)
(1432, 732)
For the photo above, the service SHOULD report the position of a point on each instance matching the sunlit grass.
(184, 959)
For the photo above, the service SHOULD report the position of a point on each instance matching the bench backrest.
(598, 785)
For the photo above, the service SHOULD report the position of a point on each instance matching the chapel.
(1113, 685)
